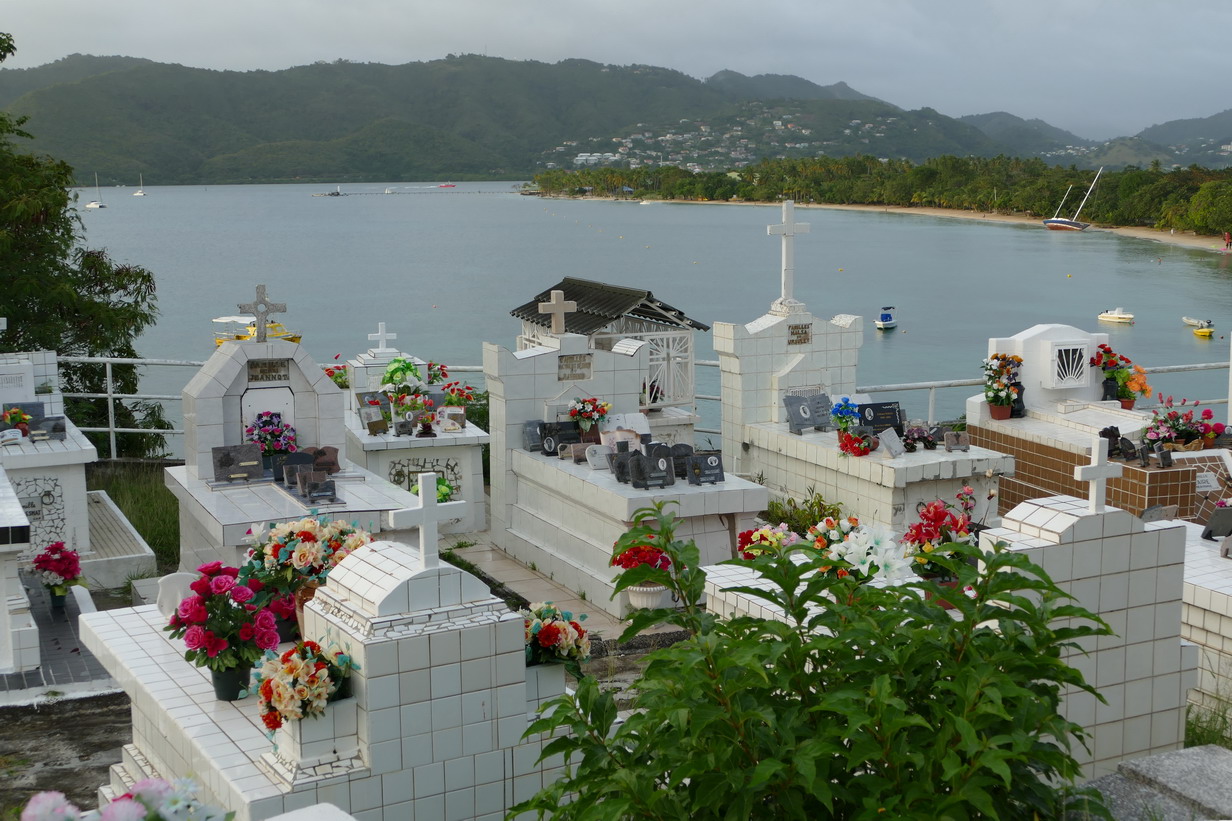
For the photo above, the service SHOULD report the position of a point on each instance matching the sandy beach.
(1186, 239)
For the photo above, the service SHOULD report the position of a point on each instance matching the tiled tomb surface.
(563, 518)
(441, 700)
(1130, 574)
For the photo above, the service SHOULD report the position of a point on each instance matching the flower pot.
(343, 691)
(57, 600)
(302, 596)
(1111, 386)
(1127, 404)
(943, 600)
(999, 412)
(645, 596)
(930, 444)
(231, 684)
(23, 427)
(288, 629)
(590, 437)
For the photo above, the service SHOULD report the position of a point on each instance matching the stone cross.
(1097, 475)
(380, 338)
(426, 517)
(788, 230)
(261, 308)
(558, 307)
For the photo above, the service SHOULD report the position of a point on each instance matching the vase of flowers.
(554, 636)
(1176, 425)
(1000, 380)
(458, 395)
(338, 375)
(588, 413)
(845, 413)
(223, 628)
(940, 524)
(150, 799)
(299, 683)
(58, 569)
(17, 418)
(269, 432)
(649, 593)
(1123, 380)
(856, 444)
(766, 539)
(296, 557)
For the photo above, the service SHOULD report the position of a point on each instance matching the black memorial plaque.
(405, 427)
(704, 468)
(532, 436)
(54, 427)
(653, 469)
(237, 463)
(1164, 456)
(882, 415)
(801, 414)
(618, 462)
(556, 434)
(680, 454)
(291, 465)
(1128, 450)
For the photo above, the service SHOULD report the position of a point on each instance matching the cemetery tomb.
(19, 635)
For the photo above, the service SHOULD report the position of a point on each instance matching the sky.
(1097, 68)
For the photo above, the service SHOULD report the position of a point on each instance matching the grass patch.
(1209, 725)
(137, 489)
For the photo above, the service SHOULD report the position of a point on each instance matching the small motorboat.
(1205, 333)
(1198, 323)
(242, 328)
(1117, 315)
(886, 319)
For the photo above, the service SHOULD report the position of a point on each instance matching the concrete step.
(1183, 785)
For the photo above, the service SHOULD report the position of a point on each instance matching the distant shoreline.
(1185, 239)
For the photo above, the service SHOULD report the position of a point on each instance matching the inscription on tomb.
(262, 371)
(801, 334)
(573, 366)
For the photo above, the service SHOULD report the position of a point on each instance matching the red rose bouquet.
(59, 568)
(221, 626)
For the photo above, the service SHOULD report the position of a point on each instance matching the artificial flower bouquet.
(1172, 423)
(917, 436)
(554, 636)
(271, 433)
(859, 552)
(401, 375)
(588, 412)
(300, 682)
(220, 623)
(284, 556)
(641, 554)
(766, 539)
(845, 413)
(338, 375)
(151, 799)
(444, 490)
(15, 416)
(458, 395)
(1000, 374)
(940, 525)
(59, 568)
(853, 444)
(1130, 378)
(407, 405)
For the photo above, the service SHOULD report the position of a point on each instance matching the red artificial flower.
(549, 635)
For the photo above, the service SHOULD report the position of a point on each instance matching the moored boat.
(1204, 333)
(886, 319)
(1198, 323)
(1117, 314)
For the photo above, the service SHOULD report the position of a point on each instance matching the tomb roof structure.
(600, 304)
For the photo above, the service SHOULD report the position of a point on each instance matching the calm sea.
(443, 268)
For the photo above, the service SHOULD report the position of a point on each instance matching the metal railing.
(931, 387)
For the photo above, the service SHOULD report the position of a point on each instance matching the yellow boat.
(1205, 333)
(243, 328)
(1204, 328)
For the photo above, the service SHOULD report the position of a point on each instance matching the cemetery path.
(66, 745)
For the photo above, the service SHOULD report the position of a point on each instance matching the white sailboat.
(140, 192)
(1058, 223)
(98, 192)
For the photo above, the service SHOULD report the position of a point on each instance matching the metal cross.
(380, 338)
(788, 230)
(261, 308)
(1097, 475)
(558, 307)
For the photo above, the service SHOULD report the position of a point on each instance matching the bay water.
(442, 267)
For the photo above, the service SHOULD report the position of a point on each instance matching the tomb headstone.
(405, 427)
(704, 468)
(1164, 456)
(801, 414)
(532, 435)
(611, 437)
(957, 440)
(54, 427)
(891, 442)
(596, 456)
(680, 454)
(653, 468)
(618, 462)
(881, 415)
(325, 458)
(556, 434)
(321, 490)
(1128, 450)
(238, 463)
(1144, 455)
(820, 406)
(578, 452)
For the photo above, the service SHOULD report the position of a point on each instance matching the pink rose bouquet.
(221, 625)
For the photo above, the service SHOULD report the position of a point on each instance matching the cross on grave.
(558, 307)
(380, 338)
(1097, 475)
(426, 517)
(788, 230)
(261, 308)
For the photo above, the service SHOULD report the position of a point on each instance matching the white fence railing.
(932, 388)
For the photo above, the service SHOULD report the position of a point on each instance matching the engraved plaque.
(263, 371)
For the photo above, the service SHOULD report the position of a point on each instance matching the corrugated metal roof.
(600, 304)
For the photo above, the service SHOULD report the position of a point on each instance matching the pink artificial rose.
(221, 584)
(49, 805)
(194, 637)
(265, 620)
(267, 639)
(124, 810)
(192, 609)
(210, 569)
(154, 790)
(240, 594)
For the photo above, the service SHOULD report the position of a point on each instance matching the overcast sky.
(1098, 68)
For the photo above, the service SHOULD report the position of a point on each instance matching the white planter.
(647, 596)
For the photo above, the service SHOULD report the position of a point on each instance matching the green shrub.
(864, 702)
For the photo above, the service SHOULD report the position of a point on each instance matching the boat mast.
(1063, 199)
(1089, 190)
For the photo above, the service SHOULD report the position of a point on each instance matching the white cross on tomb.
(1097, 475)
(380, 338)
(261, 308)
(788, 230)
(426, 517)
(558, 307)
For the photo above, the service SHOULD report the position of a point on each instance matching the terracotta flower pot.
(999, 412)
(302, 596)
(1127, 404)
